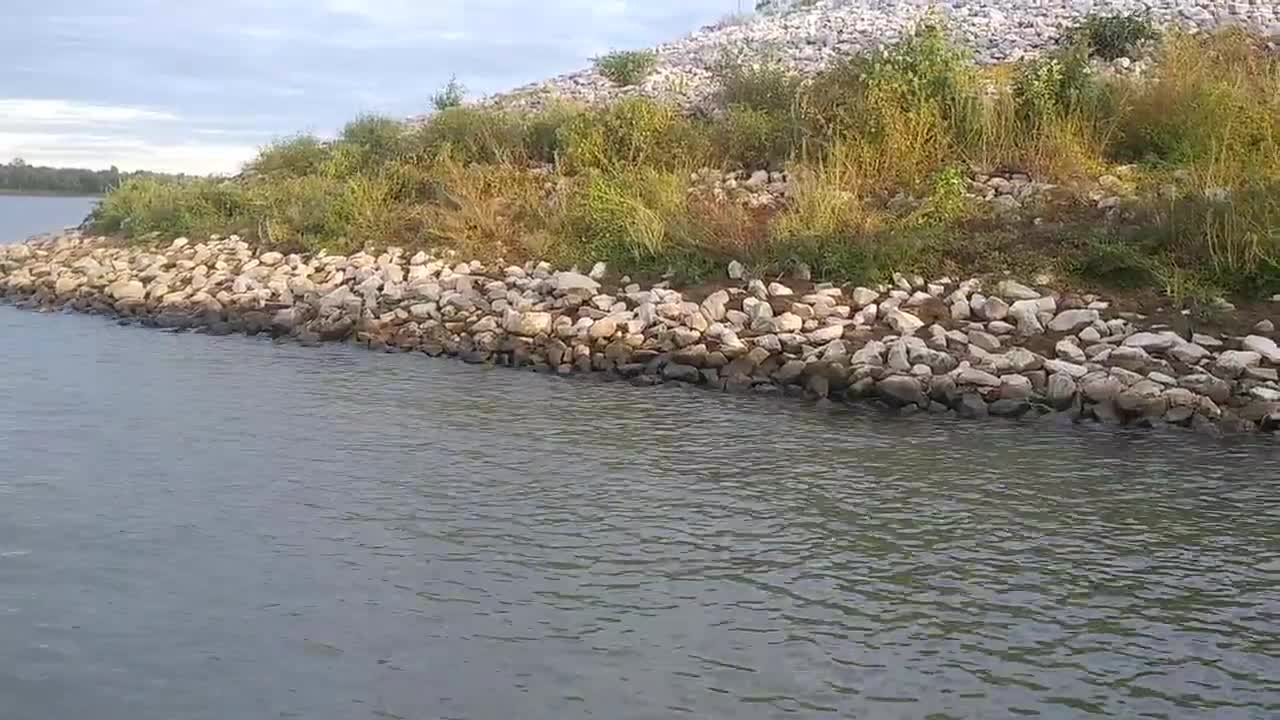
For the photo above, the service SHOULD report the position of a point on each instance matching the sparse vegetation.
(449, 96)
(880, 149)
(1111, 37)
(627, 67)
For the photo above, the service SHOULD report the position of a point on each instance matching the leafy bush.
(754, 139)
(1213, 102)
(629, 67)
(1053, 84)
(449, 96)
(918, 100)
(469, 135)
(1111, 37)
(297, 155)
(368, 142)
(489, 211)
(627, 216)
(302, 213)
(631, 133)
(769, 87)
(139, 206)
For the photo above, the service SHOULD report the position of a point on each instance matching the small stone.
(681, 373)
(1009, 407)
(575, 282)
(1265, 327)
(1061, 391)
(974, 376)
(1189, 353)
(903, 322)
(779, 290)
(789, 372)
(984, 340)
(972, 406)
(736, 270)
(1265, 347)
(1153, 342)
(1069, 351)
(901, 390)
(598, 271)
(863, 296)
(1016, 291)
(1090, 335)
(1068, 321)
(603, 328)
(993, 308)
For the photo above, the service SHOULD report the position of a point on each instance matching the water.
(22, 216)
(196, 527)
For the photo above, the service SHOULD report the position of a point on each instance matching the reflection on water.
(218, 527)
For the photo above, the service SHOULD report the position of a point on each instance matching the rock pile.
(967, 348)
(807, 38)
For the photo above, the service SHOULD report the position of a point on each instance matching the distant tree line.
(18, 176)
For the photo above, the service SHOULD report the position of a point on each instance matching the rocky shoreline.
(972, 348)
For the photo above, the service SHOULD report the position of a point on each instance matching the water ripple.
(220, 527)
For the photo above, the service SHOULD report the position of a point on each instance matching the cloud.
(66, 112)
(150, 73)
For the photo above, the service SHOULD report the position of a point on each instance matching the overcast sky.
(199, 85)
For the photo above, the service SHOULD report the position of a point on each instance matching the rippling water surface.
(196, 527)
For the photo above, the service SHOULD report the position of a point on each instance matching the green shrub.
(469, 135)
(925, 75)
(373, 140)
(145, 205)
(632, 132)
(629, 67)
(543, 131)
(297, 155)
(627, 216)
(1115, 262)
(1213, 102)
(754, 139)
(1053, 84)
(449, 96)
(1113, 36)
(757, 86)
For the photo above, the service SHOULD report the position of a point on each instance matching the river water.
(219, 527)
(22, 216)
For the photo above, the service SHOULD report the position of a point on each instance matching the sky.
(198, 86)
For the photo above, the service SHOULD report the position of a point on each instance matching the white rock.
(984, 340)
(528, 324)
(779, 290)
(863, 296)
(572, 281)
(1069, 351)
(1153, 342)
(1266, 347)
(903, 322)
(1016, 291)
(1069, 321)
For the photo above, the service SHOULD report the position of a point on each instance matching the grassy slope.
(1198, 140)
